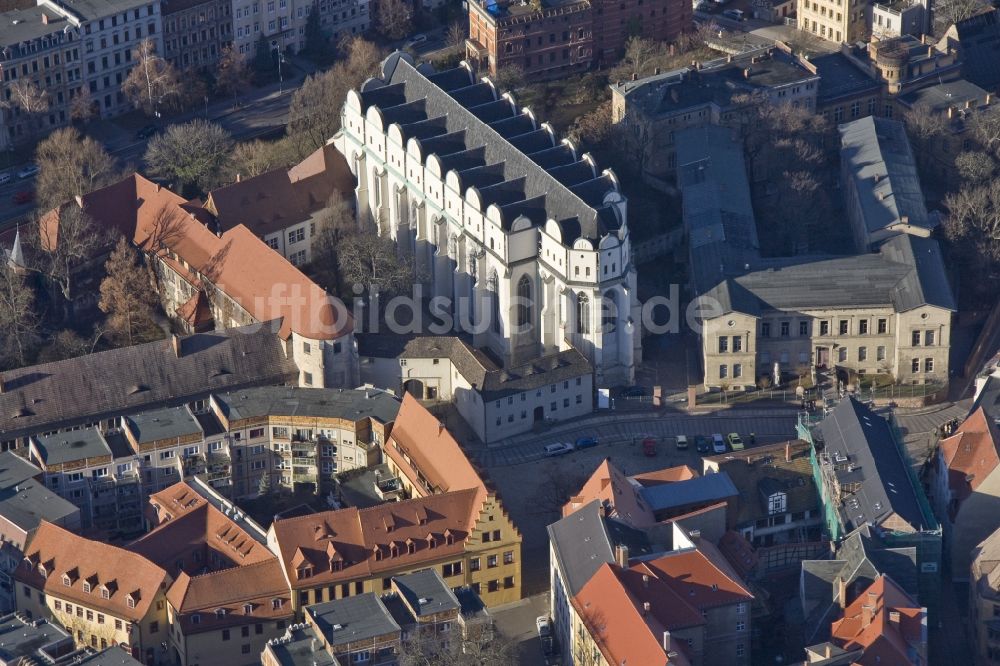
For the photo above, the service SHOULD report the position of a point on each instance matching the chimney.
(877, 177)
(621, 555)
(645, 608)
(45, 19)
(746, 73)
(788, 452)
(841, 588)
(867, 615)
(175, 344)
(989, 98)
(923, 39)
(666, 641)
(635, 76)
(440, 427)
(729, 58)
(656, 71)
(829, 650)
(904, 219)
(930, 51)
(951, 112)
(645, 580)
(238, 178)
(968, 103)
(894, 618)
(157, 187)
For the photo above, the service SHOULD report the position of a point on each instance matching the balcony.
(193, 465)
(307, 473)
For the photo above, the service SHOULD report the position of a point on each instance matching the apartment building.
(548, 39)
(966, 484)
(98, 389)
(228, 597)
(101, 594)
(984, 600)
(651, 110)
(41, 642)
(886, 20)
(24, 503)
(207, 280)
(873, 313)
(82, 467)
(195, 32)
(301, 436)
(864, 477)
(40, 46)
(283, 206)
(880, 182)
(513, 227)
(841, 21)
(494, 402)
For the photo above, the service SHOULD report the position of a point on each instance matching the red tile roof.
(697, 579)
(190, 524)
(126, 575)
(971, 454)
(282, 197)
(351, 543)
(625, 632)
(870, 623)
(428, 455)
(666, 475)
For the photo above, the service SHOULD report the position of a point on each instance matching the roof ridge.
(233, 569)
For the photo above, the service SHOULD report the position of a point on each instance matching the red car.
(24, 196)
(649, 447)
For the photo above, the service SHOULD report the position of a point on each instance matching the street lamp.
(281, 80)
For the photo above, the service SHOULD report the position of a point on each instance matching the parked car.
(718, 444)
(147, 131)
(5, 178)
(633, 391)
(23, 197)
(735, 443)
(558, 449)
(586, 442)
(701, 443)
(682, 441)
(735, 14)
(543, 625)
(29, 171)
(417, 40)
(649, 447)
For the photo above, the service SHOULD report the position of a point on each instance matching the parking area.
(517, 623)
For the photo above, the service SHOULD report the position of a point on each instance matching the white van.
(682, 441)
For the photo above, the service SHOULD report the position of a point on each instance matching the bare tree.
(81, 107)
(67, 343)
(985, 127)
(232, 74)
(32, 101)
(365, 258)
(71, 165)
(456, 34)
(950, 12)
(63, 245)
(974, 219)
(925, 127)
(509, 77)
(333, 223)
(394, 18)
(557, 487)
(126, 295)
(18, 319)
(153, 83)
(195, 154)
(975, 167)
(252, 158)
(480, 646)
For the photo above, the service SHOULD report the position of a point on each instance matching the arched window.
(582, 313)
(525, 304)
(609, 312)
(494, 290)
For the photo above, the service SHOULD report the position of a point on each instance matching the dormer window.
(304, 572)
(130, 601)
(411, 547)
(105, 593)
(393, 550)
(275, 604)
(66, 580)
(336, 565)
(378, 554)
(196, 619)
(43, 571)
(247, 609)
(220, 612)
(86, 587)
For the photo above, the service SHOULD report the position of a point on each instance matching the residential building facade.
(833, 20)
(547, 39)
(984, 600)
(521, 234)
(195, 32)
(102, 595)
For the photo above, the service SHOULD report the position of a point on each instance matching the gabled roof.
(622, 629)
(871, 623)
(616, 492)
(862, 449)
(700, 490)
(376, 539)
(427, 453)
(279, 198)
(696, 578)
(127, 380)
(407, 97)
(125, 574)
(977, 39)
(580, 545)
(353, 619)
(352, 405)
(971, 455)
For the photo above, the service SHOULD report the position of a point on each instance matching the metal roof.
(71, 446)
(165, 423)
(426, 593)
(708, 488)
(348, 404)
(353, 619)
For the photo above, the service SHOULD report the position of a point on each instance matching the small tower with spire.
(15, 257)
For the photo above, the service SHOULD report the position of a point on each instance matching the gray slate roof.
(580, 545)
(861, 445)
(301, 647)
(351, 405)
(166, 423)
(978, 45)
(486, 376)
(66, 447)
(840, 78)
(28, 503)
(942, 96)
(707, 488)
(411, 96)
(128, 380)
(359, 618)
(426, 593)
(113, 656)
(23, 640)
(876, 154)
